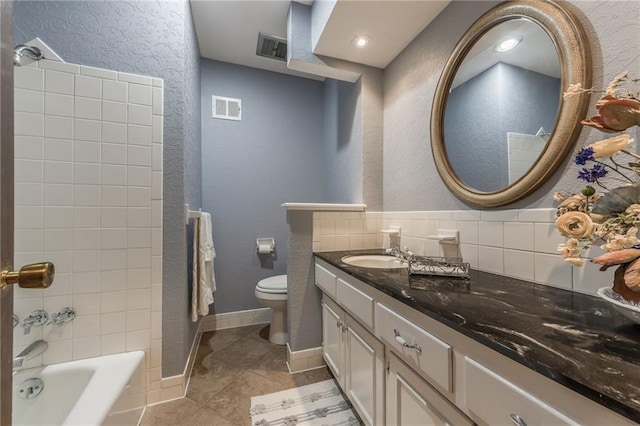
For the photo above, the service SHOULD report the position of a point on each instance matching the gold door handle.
(36, 275)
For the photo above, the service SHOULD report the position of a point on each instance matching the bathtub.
(107, 390)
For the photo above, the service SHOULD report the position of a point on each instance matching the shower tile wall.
(88, 197)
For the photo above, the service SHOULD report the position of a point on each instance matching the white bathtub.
(107, 390)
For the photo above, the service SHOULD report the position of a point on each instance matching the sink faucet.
(395, 251)
(31, 351)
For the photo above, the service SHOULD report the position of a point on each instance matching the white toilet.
(272, 293)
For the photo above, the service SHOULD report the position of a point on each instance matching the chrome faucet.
(30, 352)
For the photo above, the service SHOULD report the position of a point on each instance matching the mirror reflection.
(502, 105)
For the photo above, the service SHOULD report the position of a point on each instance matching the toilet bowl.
(272, 293)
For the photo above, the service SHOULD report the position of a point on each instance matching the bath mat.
(319, 404)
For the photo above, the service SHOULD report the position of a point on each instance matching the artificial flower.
(615, 114)
(575, 224)
(608, 147)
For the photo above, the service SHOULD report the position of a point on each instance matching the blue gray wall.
(343, 141)
(511, 99)
(250, 167)
(410, 178)
(153, 38)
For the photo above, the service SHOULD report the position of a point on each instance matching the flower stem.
(615, 169)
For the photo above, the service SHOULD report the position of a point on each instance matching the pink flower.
(615, 114)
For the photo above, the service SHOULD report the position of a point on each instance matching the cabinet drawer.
(421, 350)
(493, 400)
(326, 281)
(356, 302)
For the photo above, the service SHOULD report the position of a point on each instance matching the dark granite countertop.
(574, 339)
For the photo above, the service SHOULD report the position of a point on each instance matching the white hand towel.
(204, 283)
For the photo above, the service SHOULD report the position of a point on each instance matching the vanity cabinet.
(399, 366)
(356, 359)
(411, 401)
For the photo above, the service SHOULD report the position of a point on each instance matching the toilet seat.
(273, 285)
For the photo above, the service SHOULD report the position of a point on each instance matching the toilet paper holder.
(265, 245)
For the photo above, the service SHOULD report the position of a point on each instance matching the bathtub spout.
(31, 351)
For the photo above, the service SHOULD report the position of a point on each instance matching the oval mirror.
(499, 125)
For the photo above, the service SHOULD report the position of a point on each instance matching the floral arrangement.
(611, 216)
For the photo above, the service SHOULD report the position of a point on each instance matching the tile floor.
(231, 366)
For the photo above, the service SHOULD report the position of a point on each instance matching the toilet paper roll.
(264, 248)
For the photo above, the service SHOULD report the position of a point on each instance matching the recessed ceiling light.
(507, 44)
(360, 41)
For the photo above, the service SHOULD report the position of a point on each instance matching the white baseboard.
(306, 359)
(235, 319)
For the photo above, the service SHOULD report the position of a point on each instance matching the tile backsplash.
(88, 197)
(517, 243)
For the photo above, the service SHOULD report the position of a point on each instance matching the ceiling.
(227, 30)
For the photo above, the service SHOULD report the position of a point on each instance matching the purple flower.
(584, 155)
(598, 171)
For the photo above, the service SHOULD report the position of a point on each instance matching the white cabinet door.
(364, 372)
(410, 401)
(332, 340)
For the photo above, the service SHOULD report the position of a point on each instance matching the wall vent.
(272, 47)
(226, 108)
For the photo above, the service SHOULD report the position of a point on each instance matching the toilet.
(272, 293)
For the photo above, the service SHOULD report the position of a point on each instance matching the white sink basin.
(378, 261)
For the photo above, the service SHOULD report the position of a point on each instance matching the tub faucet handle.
(63, 316)
(35, 318)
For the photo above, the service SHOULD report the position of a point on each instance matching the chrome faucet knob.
(35, 318)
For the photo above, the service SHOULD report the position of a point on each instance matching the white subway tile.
(139, 237)
(59, 66)
(28, 217)
(440, 215)
(139, 135)
(547, 238)
(86, 260)
(519, 264)
(88, 108)
(518, 235)
(138, 320)
(139, 340)
(87, 152)
(139, 258)
(138, 155)
(156, 326)
(115, 301)
(114, 238)
(114, 196)
(468, 232)
(156, 186)
(138, 176)
(28, 78)
(28, 101)
(86, 347)
(113, 280)
(86, 282)
(86, 195)
(114, 91)
(57, 352)
(114, 132)
(89, 87)
(113, 343)
(29, 147)
(138, 114)
(114, 111)
(156, 269)
(58, 239)
(135, 78)
(138, 217)
(114, 174)
(158, 103)
(59, 82)
(28, 240)
(58, 194)
(113, 217)
(58, 172)
(56, 104)
(113, 322)
(537, 215)
(499, 215)
(588, 279)
(28, 124)
(86, 217)
(114, 154)
(157, 131)
(86, 304)
(63, 281)
(28, 171)
(58, 149)
(469, 254)
(86, 326)
(58, 217)
(63, 261)
(98, 72)
(87, 173)
(138, 197)
(491, 234)
(552, 270)
(156, 298)
(156, 213)
(158, 82)
(490, 259)
(29, 194)
(86, 239)
(113, 259)
(139, 299)
(140, 94)
(86, 130)
(156, 159)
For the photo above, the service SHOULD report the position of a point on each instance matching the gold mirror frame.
(574, 54)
